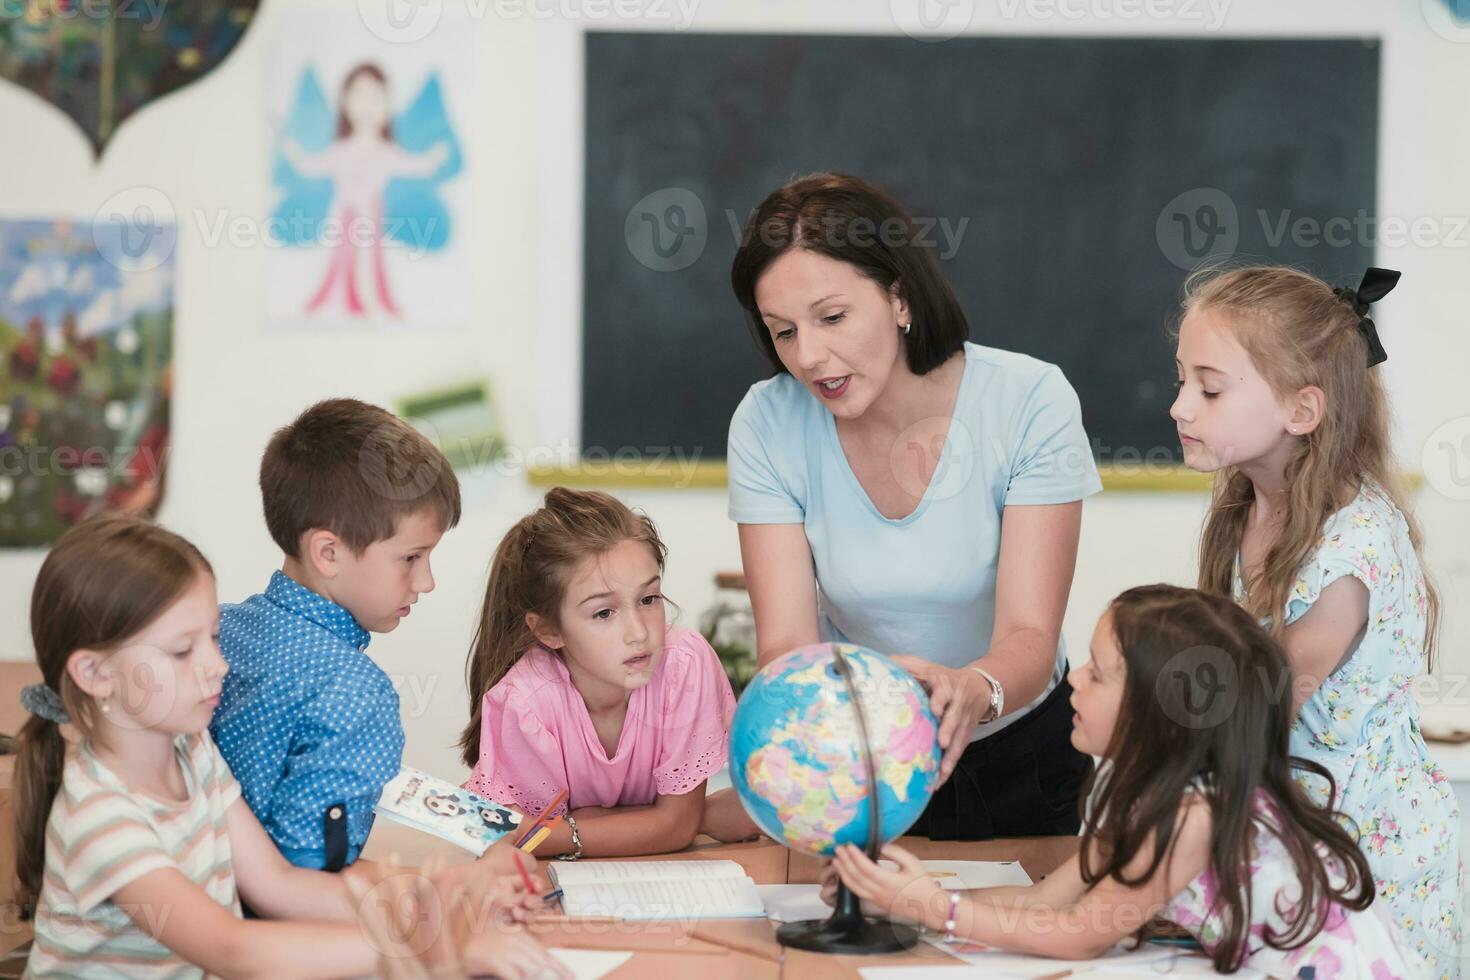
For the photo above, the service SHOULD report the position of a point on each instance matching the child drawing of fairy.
(359, 180)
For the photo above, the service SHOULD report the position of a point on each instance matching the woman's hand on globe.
(906, 893)
(958, 698)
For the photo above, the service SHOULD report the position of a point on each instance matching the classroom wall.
(236, 380)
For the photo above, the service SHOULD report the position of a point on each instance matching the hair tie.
(1377, 283)
(45, 703)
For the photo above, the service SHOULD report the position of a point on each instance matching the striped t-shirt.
(101, 837)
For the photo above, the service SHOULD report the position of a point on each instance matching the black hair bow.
(1376, 284)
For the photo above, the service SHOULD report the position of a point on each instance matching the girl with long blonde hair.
(1309, 530)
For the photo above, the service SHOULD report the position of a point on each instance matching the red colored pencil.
(530, 885)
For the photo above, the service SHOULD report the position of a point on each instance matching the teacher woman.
(900, 488)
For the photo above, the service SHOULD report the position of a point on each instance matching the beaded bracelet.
(954, 905)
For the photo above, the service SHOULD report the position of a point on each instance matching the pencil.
(530, 885)
(565, 917)
(536, 824)
(705, 949)
(530, 846)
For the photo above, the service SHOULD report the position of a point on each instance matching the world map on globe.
(796, 756)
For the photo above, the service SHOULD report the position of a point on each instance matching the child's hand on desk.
(829, 891)
(500, 859)
(906, 893)
(725, 819)
(427, 927)
(503, 898)
(510, 955)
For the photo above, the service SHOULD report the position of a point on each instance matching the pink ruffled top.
(536, 737)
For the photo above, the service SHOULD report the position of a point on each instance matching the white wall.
(205, 148)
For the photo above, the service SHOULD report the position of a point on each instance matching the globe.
(797, 756)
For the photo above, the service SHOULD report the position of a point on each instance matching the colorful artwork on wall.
(86, 353)
(367, 167)
(100, 61)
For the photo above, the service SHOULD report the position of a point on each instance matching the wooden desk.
(739, 949)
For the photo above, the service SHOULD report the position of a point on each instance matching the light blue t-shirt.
(924, 584)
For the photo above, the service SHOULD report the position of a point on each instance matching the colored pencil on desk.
(539, 836)
(556, 801)
(530, 846)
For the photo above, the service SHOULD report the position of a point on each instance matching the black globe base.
(847, 938)
(847, 931)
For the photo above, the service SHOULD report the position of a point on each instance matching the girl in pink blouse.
(577, 683)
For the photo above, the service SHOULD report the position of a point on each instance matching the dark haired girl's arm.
(1325, 636)
(1062, 887)
(669, 824)
(1081, 928)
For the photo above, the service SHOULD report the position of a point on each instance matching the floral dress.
(1362, 724)
(1350, 944)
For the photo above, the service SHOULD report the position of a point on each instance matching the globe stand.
(847, 931)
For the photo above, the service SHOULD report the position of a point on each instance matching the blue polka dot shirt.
(306, 719)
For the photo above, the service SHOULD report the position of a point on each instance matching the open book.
(427, 803)
(656, 889)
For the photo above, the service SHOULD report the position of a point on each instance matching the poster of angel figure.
(369, 224)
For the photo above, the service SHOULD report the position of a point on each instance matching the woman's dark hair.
(853, 221)
(1205, 680)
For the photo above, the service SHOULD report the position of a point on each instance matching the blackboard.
(1061, 155)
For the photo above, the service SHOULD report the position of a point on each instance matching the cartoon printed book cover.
(435, 806)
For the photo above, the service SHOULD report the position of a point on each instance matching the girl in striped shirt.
(133, 843)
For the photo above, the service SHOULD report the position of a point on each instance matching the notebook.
(656, 889)
(424, 802)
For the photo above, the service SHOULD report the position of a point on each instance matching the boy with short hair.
(309, 724)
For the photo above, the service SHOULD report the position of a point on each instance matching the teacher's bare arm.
(1038, 555)
(782, 583)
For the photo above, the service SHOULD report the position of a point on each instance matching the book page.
(681, 898)
(579, 872)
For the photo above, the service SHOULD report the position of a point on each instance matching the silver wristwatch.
(997, 697)
(576, 841)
